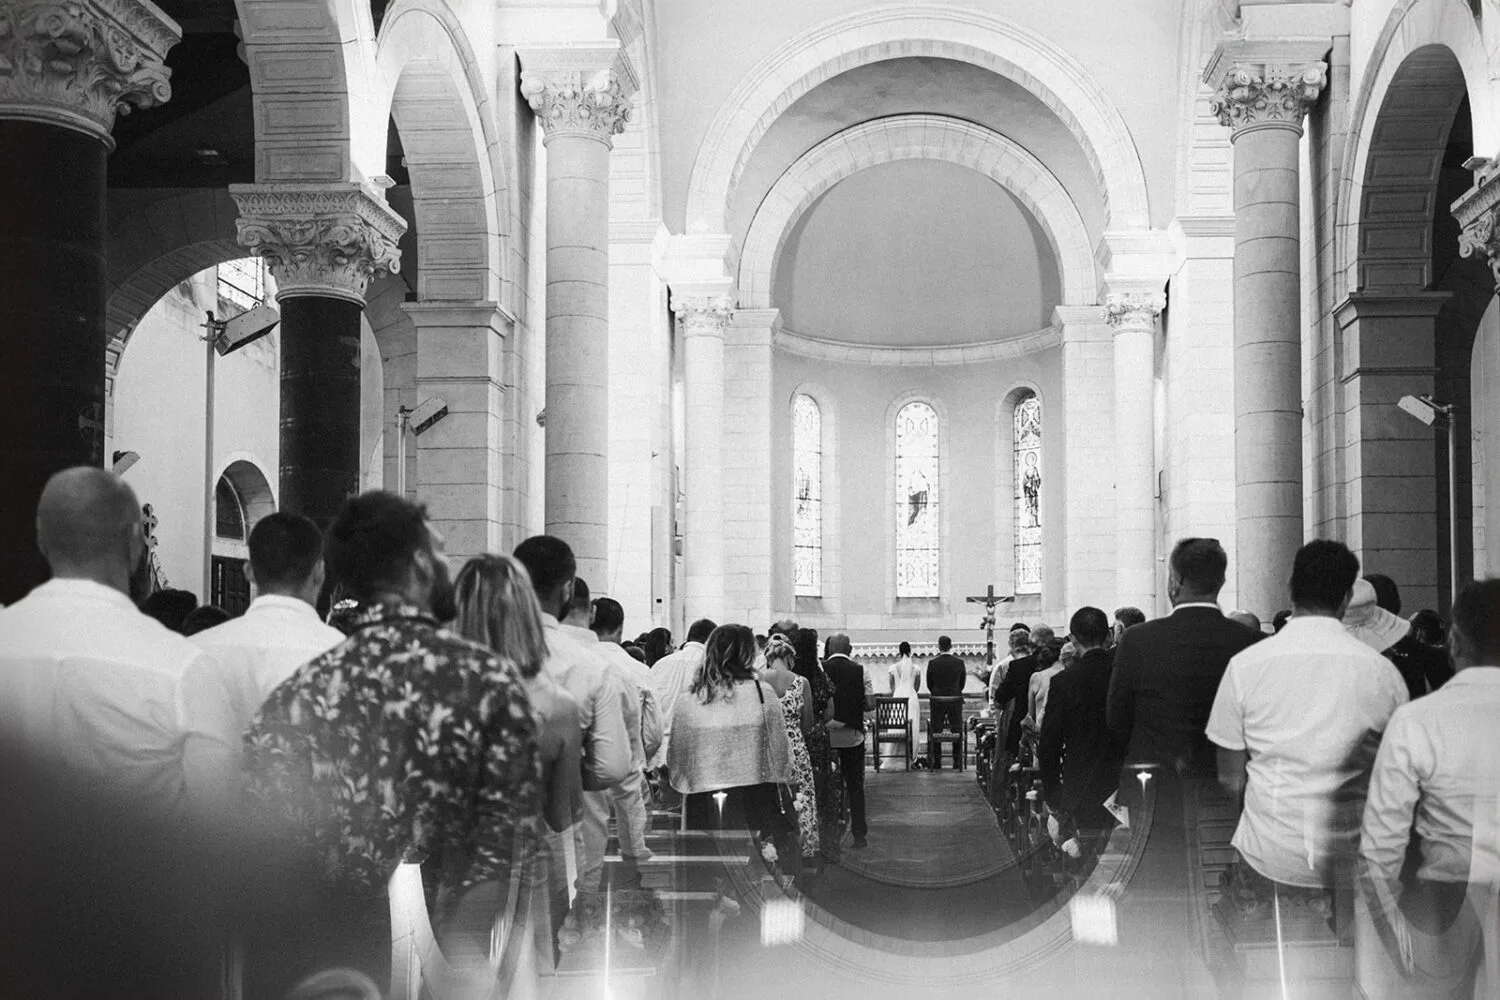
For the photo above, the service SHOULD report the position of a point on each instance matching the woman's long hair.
(728, 658)
(806, 644)
(497, 608)
(658, 641)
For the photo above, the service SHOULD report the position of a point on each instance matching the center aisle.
(928, 830)
(937, 868)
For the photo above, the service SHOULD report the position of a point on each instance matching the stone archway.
(911, 137)
(1411, 307)
(313, 118)
(881, 33)
(429, 80)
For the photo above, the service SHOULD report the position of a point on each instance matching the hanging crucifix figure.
(990, 600)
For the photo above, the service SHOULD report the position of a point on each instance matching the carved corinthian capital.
(327, 240)
(577, 102)
(1478, 215)
(703, 315)
(1256, 95)
(1134, 310)
(78, 63)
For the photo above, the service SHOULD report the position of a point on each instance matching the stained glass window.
(807, 497)
(918, 536)
(1028, 466)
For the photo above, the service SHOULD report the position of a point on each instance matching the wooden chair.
(892, 725)
(936, 740)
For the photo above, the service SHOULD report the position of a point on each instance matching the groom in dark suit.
(946, 676)
(1167, 671)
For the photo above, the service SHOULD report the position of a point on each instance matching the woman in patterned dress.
(796, 703)
(826, 778)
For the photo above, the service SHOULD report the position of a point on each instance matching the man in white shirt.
(88, 681)
(278, 633)
(1436, 785)
(672, 675)
(627, 798)
(1297, 720)
(601, 697)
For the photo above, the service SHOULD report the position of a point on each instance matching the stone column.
(66, 70)
(750, 490)
(1389, 461)
(1132, 315)
(581, 103)
(461, 356)
(323, 243)
(1263, 100)
(703, 319)
(1087, 560)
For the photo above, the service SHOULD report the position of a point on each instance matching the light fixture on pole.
(224, 336)
(1430, 412)
(122, 461)
(418, 420)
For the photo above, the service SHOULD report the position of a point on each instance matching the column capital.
(79, 63)
(1266, 84)
(328, 240)
(578, 91)
(1478, 214)
(1133, 310)
(703, 315)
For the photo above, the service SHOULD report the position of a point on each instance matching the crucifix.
(990, 600)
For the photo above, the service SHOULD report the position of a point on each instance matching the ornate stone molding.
(79, 63)
(577, 103)
(907, 356)
(703, 315)
(1257, 95)
(1134, 310)
(327, 240)
(1478, 215)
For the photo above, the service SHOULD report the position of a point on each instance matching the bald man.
(89, 681)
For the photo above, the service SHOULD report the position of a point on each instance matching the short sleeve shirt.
(1309, 706)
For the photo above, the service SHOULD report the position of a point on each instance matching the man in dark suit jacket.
(853, 696)
(1011, 692)
(1079, 756)
(1167, 671)
(945, 679)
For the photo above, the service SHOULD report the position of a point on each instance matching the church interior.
(895, 320)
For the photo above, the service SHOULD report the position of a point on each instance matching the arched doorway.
(242, 497)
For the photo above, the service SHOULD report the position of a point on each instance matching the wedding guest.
(1435, 796)
(826, 776)
(674, 674)
(1126, 617)
(1422, 667)
(729, 735)
(853, 696)
(946, 676)
(280, 631)
(904, 680)
(90, 683)
(796, 703)
(1078, 755)
(498, 610)
(408, 741)
(1297, 719)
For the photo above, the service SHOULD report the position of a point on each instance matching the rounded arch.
(905, 30)
(244, 473)
(917, 137)
(1428, 55)
(309, 63)
(163, 242)
(428, 80)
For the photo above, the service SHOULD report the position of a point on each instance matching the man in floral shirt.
(403, 743)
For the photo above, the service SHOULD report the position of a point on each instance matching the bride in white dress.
(905, 681)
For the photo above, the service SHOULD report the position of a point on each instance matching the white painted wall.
(159, 402)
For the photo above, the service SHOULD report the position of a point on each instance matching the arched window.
(918, 537)
(807, 497)
(229, 512)
(1028, 475)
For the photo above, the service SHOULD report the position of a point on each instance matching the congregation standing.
(466, 723)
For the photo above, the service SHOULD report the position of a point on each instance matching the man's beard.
(444, 600)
